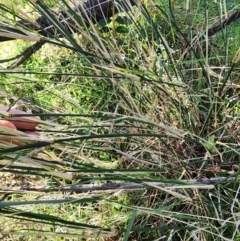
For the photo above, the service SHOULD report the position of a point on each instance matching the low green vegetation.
(142, 100)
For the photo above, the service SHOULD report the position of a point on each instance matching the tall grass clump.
(139, 124)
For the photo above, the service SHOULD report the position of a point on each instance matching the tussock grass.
(128, 101)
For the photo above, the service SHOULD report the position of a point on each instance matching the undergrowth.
(135, 99)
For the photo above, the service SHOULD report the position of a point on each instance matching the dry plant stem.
(213, 30)
(199, 184)
(209, 33)
(27, 54)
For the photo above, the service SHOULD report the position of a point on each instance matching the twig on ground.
(199, 184)
(27, 54)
